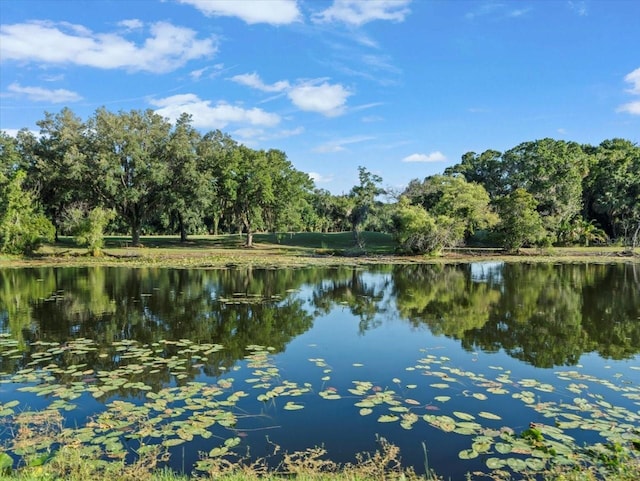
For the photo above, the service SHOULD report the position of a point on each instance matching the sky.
(401, 87)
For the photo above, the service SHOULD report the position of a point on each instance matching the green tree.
(552, 171)
(88, 226)
(187, 197)
(612, 189)
(56, 160)
(291, 189)
(415, 230)
(126, 168)
(520, 222)
(217, 154)
(254, 189)
(23, 227)
(363, 196)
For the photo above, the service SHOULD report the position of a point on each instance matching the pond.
(482, 365)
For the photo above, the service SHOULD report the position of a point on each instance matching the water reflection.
(543, 314)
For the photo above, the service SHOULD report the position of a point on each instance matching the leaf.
(440, 385)
(172, 442)
(365, 411)
(463, 416)
(386, 418)
(480, 396)
(487, 415)
(468, 454)
(495, 463)
(442, 399)
(291, 406)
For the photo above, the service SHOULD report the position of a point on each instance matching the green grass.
(289, 250)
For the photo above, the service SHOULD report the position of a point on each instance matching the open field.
(290, 250)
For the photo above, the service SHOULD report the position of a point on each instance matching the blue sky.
(401, 87)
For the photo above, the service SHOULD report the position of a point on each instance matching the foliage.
(612, 191)
(22, 226)
(415, 229)
(88, 227)
(520, 223)
(363, 196)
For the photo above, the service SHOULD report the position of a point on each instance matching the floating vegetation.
(156, 397)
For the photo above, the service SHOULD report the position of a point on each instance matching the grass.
(288, 250)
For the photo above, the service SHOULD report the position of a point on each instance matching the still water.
(460, 360)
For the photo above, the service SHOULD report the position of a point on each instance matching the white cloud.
(311, 96)
(632, 108)
(274, 12)
(339, 144)
(319, 178)
(209, 116)
(436, 156)
(579, 7)
(14, 132)
(634, 79)
(131, 24)
(326, 99)
(39, 94)
(253, 80)
(359, 12)
(167, 48)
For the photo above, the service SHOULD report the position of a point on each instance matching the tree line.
(136, 172)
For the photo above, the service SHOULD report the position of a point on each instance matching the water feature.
(463, 359)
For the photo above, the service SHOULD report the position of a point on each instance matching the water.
(525, 343)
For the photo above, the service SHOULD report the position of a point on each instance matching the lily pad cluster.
(158, 396)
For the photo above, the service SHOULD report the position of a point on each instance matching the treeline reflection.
(543, 314)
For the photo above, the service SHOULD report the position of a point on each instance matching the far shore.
(291, 250)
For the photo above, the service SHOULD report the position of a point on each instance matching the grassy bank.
(290, 250)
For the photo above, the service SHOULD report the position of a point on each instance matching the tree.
(291, 189)
(23, 227)
(88, 226)
(254, 189)
(466, 203)
(188, 196)
(612, 189)
(485, 169)
(520, 222)
(217, 154)
(415, 230)
(56, 162)
(126, 168)
(363, 195)
(552, 171)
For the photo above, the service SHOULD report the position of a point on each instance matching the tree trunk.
(249, 242)
(183, 229)
(135, 233)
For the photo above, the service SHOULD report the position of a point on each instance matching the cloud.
(326, 99)
(579, 7)
(319, 178)
(14, 132)
(167, 48)
(253, 134)
(209, 116)
(39, 94)
(131, 24)
(338, 145)
(634, 79)
(274, 12)
(359, 12)
(253, 80)
(310, 95)
(436, 156)
(632, 108)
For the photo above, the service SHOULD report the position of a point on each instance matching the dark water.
(422, 332)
